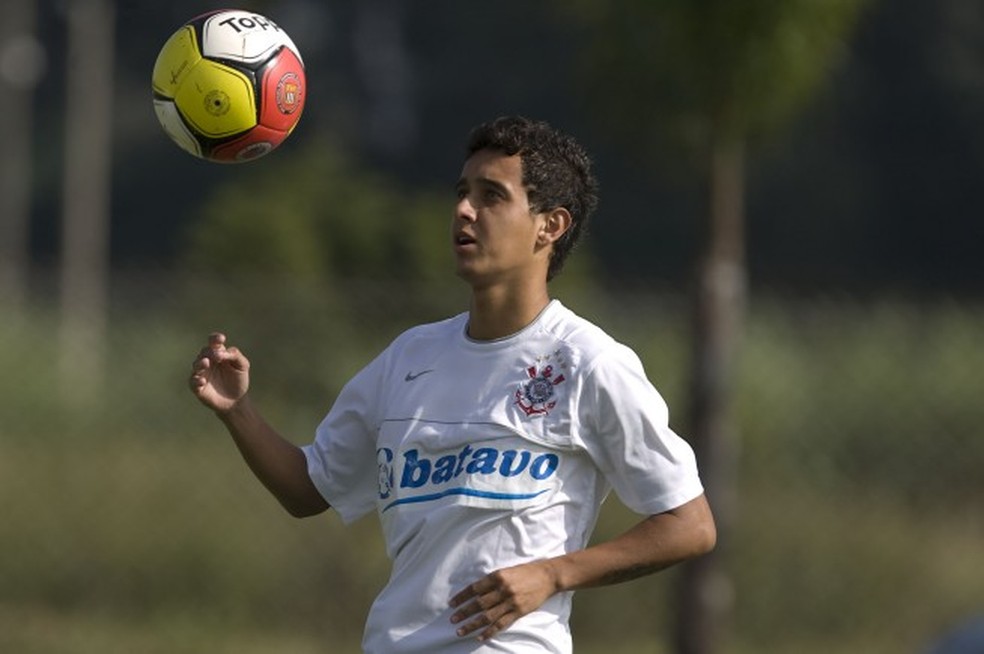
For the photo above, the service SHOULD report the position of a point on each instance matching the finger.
(215, 347)
(201, 365)
(470, 627)
(220, 354)
(462, 596)
(205, 356)
(466, 611)
(196, 383)
(235, 358)
(490, 621)
(499, 625)
(480, 605)
(473, 590)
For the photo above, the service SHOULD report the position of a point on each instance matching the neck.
(497, 314)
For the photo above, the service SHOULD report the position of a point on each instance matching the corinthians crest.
(536, 396)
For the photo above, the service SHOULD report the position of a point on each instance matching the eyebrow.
(483, 181)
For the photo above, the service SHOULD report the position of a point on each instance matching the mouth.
(463, 240)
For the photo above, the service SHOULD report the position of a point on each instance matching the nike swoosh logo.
(410, 376)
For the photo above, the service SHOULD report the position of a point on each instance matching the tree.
(85, 226)
(703, 78)
(21, 65)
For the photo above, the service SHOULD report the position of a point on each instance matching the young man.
(487, 442)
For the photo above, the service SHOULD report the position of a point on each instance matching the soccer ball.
(229, 86)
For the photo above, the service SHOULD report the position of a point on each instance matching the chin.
(466, 275)
(472, 277)
(464, 269)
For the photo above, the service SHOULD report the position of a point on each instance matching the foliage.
(676, 71)
(317, 216)
(873, 399)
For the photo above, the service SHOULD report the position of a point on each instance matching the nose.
(465, 210)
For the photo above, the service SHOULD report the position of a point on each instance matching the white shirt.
(482, 455)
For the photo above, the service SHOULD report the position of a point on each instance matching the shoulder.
(412, 349)
(591, 344)
(420, 345)
(429, 333)
(569, 326)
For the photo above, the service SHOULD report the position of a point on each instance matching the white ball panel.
(243, 36)
(167, 114)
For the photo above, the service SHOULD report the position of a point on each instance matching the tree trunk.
(85, 227)
(21, 65)
(705, 598)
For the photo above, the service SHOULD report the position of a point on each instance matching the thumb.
(234, 357)
(219, 353)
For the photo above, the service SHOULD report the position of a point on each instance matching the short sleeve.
(342, 459)
(625, 430)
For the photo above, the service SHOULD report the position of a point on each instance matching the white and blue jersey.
(483, 455)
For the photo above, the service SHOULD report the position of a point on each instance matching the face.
(496, 237)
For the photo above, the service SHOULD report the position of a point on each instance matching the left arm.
(657, 542)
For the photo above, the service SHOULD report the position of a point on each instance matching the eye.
(491, 195)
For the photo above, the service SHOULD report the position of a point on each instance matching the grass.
(41, 630)
(131, 524)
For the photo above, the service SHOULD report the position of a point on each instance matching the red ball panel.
(284, 89)
(255, 143)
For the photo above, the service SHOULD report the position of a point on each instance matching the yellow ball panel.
(216, 99)
(178, 56)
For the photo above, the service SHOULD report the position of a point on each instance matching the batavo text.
(418, 470)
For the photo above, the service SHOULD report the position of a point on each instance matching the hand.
(219, 375)
(502, 597)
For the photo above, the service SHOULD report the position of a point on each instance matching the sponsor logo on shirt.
(481, 472)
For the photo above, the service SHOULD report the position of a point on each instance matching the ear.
(556, 222)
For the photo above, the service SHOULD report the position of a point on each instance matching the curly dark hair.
(556, 173)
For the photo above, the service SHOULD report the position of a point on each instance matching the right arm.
(220, 380)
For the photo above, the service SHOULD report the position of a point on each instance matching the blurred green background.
(132, 525)
(128, 522)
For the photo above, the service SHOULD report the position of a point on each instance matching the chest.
(532, 392)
